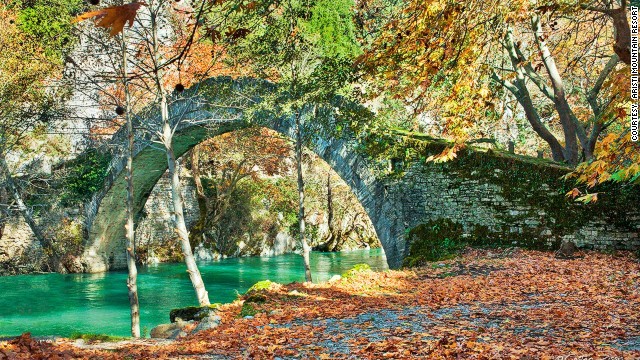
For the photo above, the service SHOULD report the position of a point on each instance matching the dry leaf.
(114, 17)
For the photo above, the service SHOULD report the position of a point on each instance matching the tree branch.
(563, 109)
(592, 95)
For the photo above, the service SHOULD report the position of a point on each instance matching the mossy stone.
(196, 313)
(434, 241)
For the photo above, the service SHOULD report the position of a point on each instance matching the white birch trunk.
(181, 227)
(306, 249)
(132, 279)
(176, 188)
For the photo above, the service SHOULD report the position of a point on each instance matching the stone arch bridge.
(483, 201)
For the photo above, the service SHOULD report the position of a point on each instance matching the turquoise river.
(55, 304)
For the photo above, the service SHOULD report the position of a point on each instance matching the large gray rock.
(170, 331)
(207, 323)
(195, 313)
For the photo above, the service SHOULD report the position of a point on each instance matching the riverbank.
(485, 304)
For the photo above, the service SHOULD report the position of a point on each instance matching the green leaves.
(48, 22)
(306, 47)
(331, 28)
(86, 176)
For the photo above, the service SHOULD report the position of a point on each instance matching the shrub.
(433, 241)
(86, 175)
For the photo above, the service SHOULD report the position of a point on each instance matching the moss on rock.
(434, 241)
(357, 268)
(248, 310)
(258, 293)
(196, 313)
(261, 285)
(90, 338)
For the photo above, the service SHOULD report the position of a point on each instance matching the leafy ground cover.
(485, 304)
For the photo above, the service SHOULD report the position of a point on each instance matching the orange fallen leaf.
(114, 17)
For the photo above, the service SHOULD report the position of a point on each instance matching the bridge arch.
(106, 213)
(496, 196)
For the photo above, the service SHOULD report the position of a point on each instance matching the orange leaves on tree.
(446, 154)
(114, 17)
(587, 198)
(574, 193)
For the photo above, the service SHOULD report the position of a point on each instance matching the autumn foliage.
(465, 69)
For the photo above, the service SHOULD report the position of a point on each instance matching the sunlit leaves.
(587, 198)
(47, 21)
(447, 154)
(617, 159)
(27, 67)
(573, 193)
(331, 29)
(440, 58)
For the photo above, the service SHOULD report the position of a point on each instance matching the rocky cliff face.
(19, 252)
(155, 237)
(157, 241)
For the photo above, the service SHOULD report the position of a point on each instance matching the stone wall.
(509, 201)
(155, 223)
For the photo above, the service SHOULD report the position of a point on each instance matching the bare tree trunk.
(176, 188)
(622, 30)
(178, 211)
(560, 100)
(329, 203)
(4, 209)
(622, 45)
(599, 123)
(132, 279)
(306, 249)
(330, 244)
(55, 262)
(520, 91)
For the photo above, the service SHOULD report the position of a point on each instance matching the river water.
(55, 304)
